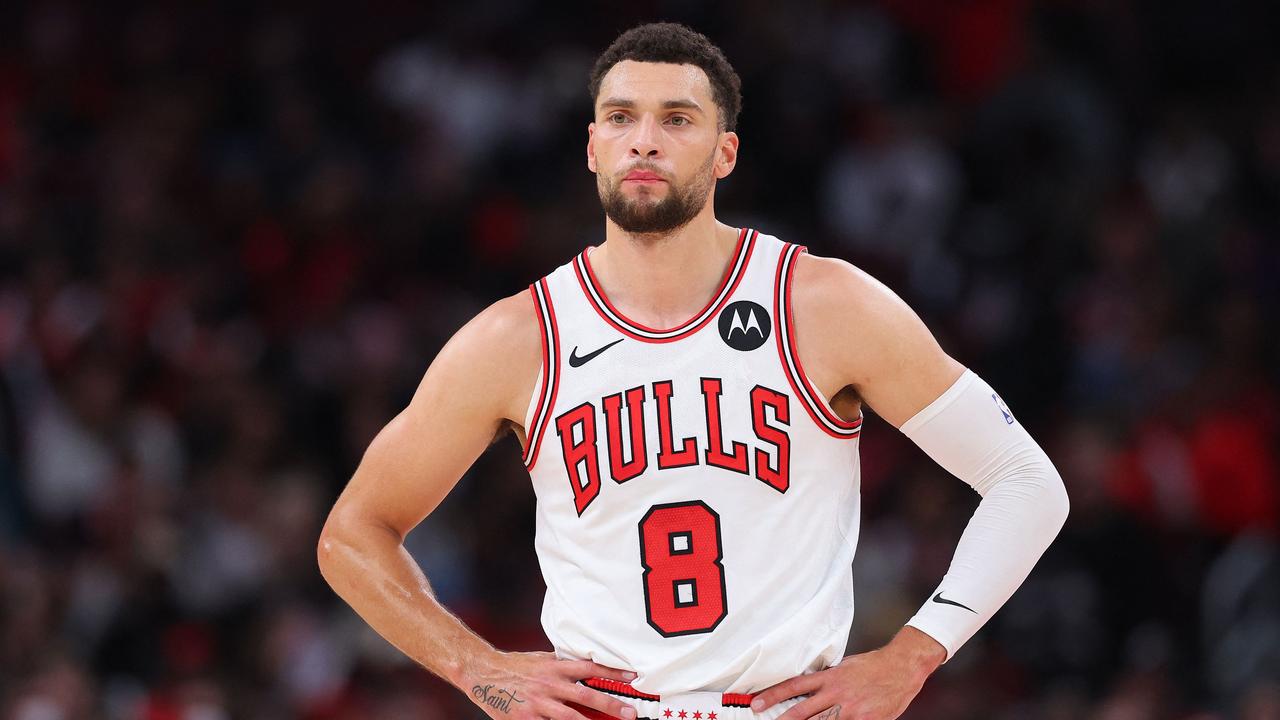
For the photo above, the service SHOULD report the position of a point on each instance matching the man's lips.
(641, 176)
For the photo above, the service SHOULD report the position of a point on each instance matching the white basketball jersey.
(697, 500)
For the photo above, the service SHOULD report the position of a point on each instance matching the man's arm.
(481, 379)
(861, 343)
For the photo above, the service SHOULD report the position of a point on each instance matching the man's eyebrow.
(681, 104)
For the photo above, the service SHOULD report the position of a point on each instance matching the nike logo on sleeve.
(943, 601)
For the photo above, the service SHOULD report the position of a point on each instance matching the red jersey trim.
(617, 687)
(550, 370)
(598, 300)
(622, 689)
(813, 402)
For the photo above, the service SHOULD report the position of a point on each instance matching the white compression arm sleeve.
(971, 432)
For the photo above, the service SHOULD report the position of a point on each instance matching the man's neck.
(663, 281)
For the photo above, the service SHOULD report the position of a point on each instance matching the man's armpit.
(503, 428)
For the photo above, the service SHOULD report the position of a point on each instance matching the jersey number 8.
(684, 590)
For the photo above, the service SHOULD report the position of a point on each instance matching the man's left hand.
(877, 685)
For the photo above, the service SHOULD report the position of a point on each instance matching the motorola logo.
(744, 325)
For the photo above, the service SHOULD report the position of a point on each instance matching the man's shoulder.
(846, 315)
(831, 285)
(494, 358)
(855, 332)
(509, 325)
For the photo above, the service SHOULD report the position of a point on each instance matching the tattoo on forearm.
(830, 713)
(497, 699)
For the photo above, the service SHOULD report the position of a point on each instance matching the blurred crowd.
(232, 238)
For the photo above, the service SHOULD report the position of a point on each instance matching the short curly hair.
(680, 45)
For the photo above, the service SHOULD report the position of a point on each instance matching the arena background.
(233, 237)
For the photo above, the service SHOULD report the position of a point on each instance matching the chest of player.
(709, 401)
(634, 430)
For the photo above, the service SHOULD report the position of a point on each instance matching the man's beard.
(643, 216)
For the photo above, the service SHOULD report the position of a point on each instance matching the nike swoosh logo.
(576, 361)
(939, 599)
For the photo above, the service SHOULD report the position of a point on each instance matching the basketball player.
(689, 398)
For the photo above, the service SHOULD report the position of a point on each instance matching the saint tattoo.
(498, 699)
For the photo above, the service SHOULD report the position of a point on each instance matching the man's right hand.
(537, 685)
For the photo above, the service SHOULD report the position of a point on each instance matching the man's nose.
(644, 141)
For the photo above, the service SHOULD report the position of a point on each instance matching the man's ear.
(591, 147)
(728, 154)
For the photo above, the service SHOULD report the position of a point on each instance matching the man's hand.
(877, 685)
(536, 685)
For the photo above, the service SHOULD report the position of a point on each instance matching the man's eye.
(679, 120)
(617, 117)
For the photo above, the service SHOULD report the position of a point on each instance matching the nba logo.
(1004, 409)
